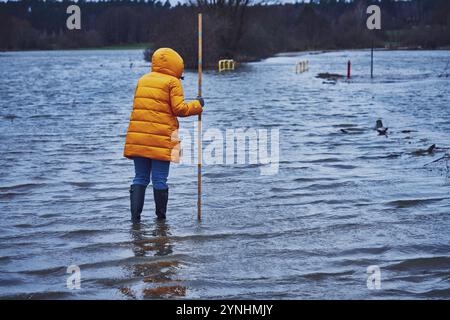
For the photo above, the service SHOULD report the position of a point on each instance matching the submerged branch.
(437, 160)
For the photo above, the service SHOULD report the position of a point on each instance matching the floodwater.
(342, 200)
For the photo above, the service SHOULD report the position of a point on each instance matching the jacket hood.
(167, 61)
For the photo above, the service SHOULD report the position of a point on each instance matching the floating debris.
(11, 117)
(422, 152)
(329, 76)
(382, 131)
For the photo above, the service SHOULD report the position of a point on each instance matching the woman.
(152, 137)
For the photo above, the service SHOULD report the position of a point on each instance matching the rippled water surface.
(341, 201)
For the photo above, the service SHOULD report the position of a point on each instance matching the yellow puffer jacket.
(158, 101)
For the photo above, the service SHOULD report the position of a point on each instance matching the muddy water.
(342, 200)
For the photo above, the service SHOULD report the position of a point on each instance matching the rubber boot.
(161, 198)
(137, 196)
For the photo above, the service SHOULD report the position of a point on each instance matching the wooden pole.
(349, 69)
(199, 165)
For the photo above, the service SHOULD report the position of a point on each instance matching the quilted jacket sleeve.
(180, 108)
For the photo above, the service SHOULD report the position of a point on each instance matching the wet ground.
(344, 199)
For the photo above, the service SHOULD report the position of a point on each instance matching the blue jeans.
(157, 169)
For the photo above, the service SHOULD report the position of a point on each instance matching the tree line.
(241, 29)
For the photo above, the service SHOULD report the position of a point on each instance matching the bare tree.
(232, 13)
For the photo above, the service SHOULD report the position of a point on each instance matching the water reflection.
(157, 243)
(342, 200)
(159, 274)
